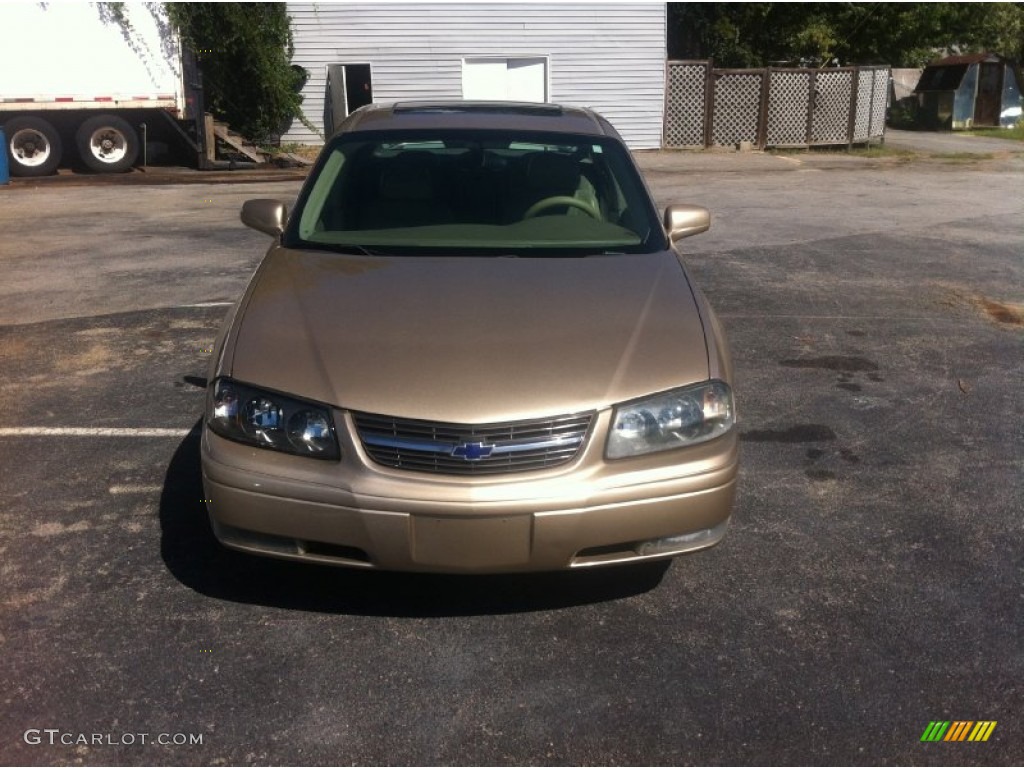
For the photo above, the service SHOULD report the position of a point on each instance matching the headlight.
(671, 420)
(266, 419)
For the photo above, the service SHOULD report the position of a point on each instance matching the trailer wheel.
(33, 146)
(107, 144)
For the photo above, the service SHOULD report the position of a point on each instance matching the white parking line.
(119, 489)
(209, 304)
(91, 432)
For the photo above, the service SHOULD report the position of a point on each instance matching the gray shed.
(606, 55)
(961, 92)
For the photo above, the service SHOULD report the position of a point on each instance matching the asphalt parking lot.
(872, 582)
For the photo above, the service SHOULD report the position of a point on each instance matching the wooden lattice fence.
(773, 107)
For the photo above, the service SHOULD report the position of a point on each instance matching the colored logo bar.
(958, 730)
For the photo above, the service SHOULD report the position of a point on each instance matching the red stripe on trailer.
(19, 100)
(103, 98)
(64, 98)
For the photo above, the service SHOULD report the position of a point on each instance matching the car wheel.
(107, 144)
(33, 146)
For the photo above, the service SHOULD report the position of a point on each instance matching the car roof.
(481, 115)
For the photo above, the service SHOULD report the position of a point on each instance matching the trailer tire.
(33, 146)
(107, 144)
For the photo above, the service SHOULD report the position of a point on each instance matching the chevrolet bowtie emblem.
(472, 451)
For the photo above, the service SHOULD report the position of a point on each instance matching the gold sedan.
(471, 347)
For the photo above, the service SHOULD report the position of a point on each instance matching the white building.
(606, 55)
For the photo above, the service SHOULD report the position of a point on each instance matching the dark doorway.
(348, 88)
(990, 92)
(357, 86)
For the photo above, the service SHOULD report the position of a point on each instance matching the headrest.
(552, 173)
(408, 177)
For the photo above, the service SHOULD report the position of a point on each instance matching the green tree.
(901, 34)
(244, 51)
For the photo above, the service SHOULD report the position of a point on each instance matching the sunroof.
(493, 107)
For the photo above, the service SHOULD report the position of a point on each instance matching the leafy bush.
(244, 51)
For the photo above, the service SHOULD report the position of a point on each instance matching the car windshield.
(477, 192)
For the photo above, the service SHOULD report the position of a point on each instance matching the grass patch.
(962, 157)
(881, 150)
(1016, 133)
(896, 154)
(872, 150)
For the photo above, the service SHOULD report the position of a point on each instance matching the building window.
(517, 79)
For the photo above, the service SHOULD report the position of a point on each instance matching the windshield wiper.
(352, 249)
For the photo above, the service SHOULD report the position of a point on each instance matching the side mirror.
(267, 216)
(685, 221)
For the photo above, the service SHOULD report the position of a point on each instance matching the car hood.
(466, 339)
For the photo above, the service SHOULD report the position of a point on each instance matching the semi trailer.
(79, 87)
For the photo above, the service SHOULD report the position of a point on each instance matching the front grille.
(471, 449)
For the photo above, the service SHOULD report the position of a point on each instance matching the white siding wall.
(608, 56)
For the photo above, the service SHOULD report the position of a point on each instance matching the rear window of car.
(475, 192)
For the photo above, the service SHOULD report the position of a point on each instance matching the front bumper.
(355, 513)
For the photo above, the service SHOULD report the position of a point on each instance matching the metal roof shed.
(960, 92)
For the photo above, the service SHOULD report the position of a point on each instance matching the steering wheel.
(551, 202)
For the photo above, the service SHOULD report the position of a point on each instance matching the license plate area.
(471, 543)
